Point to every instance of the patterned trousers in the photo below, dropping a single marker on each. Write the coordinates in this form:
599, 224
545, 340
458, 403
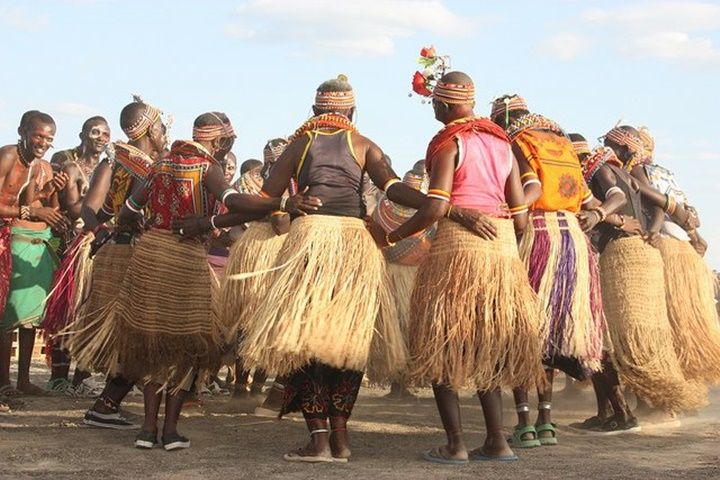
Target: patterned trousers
320, 391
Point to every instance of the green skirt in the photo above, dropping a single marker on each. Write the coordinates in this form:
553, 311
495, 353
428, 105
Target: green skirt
33, 265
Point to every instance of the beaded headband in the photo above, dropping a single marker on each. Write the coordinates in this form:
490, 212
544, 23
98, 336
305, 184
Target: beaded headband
335, 99
340, 100
272, 153
507, 105
209, 133
148, 118
625, 138
581, 147
454, 93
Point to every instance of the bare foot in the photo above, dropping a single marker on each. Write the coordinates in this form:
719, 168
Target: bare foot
494, 446
31, 390
316, 447
339, 444
449, 452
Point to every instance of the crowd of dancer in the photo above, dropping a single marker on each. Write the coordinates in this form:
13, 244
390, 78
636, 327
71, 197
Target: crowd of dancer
511, 251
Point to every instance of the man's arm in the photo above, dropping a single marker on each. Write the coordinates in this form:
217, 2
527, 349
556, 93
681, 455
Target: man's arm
615, 198
385, 178
95, 196
657, 215
529, 179
432, 209
71, 200
515, 198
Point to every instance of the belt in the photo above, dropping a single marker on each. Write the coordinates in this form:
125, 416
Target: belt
27, 239
15, 237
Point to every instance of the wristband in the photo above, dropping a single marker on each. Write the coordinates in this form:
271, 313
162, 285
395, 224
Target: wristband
212, 222
130, 206
387, 240
390, 183
25, 212
226, 193
283, 204
449, 211
600, 212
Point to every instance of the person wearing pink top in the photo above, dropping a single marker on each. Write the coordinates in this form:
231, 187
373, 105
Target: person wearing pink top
475, 320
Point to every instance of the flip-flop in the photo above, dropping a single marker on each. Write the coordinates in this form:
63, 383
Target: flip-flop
480, 456
296, 457
433, 455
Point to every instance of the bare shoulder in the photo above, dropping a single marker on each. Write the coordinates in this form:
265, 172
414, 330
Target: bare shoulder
361, 141
8, 155
71, 168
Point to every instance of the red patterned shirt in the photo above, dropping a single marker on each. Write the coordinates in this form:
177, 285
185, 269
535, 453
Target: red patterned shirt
176, 185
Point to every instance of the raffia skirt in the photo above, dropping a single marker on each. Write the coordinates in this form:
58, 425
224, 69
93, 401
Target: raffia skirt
402, 284
690, 295
564, 273
162, 324
638, 327
328, 300
475, 321
256, 250
80, 337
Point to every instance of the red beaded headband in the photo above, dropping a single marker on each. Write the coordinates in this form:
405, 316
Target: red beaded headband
454, 93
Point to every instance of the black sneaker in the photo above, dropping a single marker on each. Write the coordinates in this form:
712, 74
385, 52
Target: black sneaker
146, 440
175, 442
616, 425
114, 421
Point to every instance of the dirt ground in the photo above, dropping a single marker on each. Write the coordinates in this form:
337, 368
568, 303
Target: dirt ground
46, 439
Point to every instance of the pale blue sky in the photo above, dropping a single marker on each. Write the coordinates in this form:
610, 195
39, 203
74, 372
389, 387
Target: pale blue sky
585, 64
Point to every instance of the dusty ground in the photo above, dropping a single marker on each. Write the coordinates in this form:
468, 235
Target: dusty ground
47, 440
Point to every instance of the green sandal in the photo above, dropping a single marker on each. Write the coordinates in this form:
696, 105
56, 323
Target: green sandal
517, 440
547, 440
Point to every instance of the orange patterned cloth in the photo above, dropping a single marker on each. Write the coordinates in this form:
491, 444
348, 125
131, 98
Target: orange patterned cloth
131, 164
554, 163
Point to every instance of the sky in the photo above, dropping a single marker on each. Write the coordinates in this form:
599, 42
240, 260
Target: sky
585, 63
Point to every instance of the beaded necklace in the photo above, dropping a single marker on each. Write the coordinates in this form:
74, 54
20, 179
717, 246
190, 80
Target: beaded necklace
326, 120
533, 121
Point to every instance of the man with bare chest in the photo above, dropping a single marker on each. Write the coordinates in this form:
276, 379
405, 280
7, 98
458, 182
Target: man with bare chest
28, 209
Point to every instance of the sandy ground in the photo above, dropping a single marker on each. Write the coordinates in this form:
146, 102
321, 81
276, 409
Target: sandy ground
46, 439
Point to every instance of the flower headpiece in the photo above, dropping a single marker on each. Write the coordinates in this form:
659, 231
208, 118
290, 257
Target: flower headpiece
434, 67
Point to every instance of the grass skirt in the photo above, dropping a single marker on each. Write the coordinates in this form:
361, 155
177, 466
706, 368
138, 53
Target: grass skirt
638, 326
564, 273
81, 336
689, 291
475, 320
256, 250
328, 301
402, 283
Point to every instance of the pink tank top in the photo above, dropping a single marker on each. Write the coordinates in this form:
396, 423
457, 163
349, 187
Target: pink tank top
484, 165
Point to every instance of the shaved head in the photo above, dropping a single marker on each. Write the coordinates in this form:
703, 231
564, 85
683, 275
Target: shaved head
131, 114
459, 78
